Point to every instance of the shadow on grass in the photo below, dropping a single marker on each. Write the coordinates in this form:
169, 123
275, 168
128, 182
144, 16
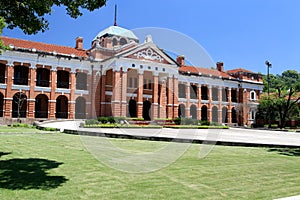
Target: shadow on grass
4, 153
286, 151
30, 173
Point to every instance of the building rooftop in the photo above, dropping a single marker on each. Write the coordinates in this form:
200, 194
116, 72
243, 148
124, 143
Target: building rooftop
232, 71
118, 31
39, 46
204, 71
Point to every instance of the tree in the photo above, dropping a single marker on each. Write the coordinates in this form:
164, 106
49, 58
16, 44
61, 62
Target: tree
2, 25
20, 99
283, 100
286, 102
29, 15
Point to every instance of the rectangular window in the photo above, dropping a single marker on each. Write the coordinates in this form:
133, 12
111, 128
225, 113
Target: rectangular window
145, 84
130, 83
149, 85
135, 82
252, 115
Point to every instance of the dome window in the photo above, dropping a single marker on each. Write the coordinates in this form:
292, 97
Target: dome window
123, 41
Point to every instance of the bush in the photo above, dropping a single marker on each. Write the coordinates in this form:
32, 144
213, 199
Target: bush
103, 120
111, 120
189, 121
119, 119
177, 121
91, 121
205, 123
21, 125
215, 124
49, 129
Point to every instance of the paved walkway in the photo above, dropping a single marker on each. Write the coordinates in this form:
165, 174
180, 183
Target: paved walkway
290, 198
238, 136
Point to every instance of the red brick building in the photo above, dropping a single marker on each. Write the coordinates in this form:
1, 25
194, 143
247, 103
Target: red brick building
118, 76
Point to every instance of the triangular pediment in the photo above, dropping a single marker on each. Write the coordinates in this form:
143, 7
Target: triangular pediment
148, 52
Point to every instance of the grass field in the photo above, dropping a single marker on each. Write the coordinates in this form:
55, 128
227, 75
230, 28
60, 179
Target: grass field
57, 166
10, 129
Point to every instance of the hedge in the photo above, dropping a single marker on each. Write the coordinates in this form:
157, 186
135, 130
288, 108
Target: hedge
120, 126
195, 127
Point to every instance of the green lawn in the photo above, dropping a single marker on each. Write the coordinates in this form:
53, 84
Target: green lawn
57, 166
10, 129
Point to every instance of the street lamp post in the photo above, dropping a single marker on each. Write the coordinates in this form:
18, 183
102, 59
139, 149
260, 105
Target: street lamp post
269, 65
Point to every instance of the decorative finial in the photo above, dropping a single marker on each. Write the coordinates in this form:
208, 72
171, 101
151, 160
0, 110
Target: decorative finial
115, 22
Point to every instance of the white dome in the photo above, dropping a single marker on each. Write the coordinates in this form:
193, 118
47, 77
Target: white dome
118, 31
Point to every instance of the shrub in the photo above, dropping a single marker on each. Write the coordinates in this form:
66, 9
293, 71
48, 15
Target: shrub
119, 119
103, 120
177, 121
111, 120
205, 123
215, 124
91, 121
49, 129
21, 125
189, 121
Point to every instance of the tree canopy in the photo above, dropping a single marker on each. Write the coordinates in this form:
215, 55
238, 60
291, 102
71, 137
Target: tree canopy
285, 80
29, 15
284, 95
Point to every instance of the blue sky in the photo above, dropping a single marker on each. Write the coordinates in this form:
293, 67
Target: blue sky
241, 33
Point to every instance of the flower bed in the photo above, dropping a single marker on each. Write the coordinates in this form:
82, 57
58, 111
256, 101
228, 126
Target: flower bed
195, 127
120, 126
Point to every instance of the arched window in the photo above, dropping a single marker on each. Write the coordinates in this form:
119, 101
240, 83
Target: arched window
252, 95
80, 108
41, 106
146, 110
193, 111
115, 42
204, 113
19, 106
215, 114
123, 41
181, 111
132, 108
61, 107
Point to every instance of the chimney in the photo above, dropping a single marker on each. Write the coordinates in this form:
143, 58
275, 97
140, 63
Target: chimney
220, 66
79, 43
180, 60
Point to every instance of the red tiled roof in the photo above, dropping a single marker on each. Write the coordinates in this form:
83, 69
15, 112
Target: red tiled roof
203, 71
233, 71
39, 46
